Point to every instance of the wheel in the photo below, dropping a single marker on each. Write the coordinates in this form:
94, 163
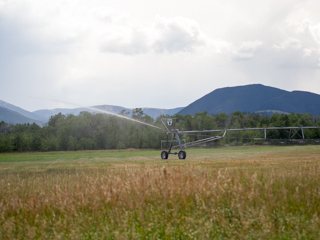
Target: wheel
164, 154
182, 154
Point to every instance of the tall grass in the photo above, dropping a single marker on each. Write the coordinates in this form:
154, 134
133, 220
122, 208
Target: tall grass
168, 202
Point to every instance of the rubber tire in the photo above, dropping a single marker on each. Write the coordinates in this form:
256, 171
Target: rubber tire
182, 154
164, 155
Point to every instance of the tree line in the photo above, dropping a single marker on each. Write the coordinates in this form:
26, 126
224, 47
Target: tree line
102, 131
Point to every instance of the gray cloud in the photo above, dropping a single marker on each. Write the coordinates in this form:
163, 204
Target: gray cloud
247, 50
301, 46
135, 43
167, 36
176, 35
297, 58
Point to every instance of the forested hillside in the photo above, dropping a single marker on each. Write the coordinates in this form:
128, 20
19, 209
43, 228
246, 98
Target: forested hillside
101, 131
255, 98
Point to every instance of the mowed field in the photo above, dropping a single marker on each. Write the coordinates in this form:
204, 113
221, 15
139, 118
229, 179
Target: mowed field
254, 192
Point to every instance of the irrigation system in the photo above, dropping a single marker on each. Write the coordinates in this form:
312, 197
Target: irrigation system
169, 124
220, 133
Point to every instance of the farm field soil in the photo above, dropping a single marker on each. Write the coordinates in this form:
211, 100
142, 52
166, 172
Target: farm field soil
255, 192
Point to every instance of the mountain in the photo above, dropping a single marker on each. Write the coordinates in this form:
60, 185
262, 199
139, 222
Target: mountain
21, 111
13, 117
47, 113
152, 112
156, 112
255, 98
250, 98
13, 114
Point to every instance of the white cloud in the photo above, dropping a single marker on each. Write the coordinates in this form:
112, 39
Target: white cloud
168, 35
40, 27
307, 52
247, 50
135, 42
292, 43
301, 45
106, 52
306, 28
177, 34
314, 31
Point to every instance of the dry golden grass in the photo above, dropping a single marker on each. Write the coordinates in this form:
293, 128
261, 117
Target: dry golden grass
272, 193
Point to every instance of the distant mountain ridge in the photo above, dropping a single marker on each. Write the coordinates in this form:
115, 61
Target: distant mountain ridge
13, 114
255, 98
10, 116
250, 98
23, 112
152, 112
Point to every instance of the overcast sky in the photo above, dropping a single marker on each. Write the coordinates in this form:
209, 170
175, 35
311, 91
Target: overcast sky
145, 53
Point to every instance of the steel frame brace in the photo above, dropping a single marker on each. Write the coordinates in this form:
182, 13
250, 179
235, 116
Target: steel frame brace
175, 135
255, 137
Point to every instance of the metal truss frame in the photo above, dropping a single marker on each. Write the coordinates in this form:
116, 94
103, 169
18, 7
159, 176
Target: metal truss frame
292, 131
221, 133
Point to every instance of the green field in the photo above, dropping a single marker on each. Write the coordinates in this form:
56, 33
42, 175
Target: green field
254, 192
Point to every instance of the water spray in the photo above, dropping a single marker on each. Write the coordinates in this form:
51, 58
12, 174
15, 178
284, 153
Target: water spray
99, 110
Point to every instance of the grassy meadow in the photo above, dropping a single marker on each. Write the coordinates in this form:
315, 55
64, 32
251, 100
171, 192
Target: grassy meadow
252, 192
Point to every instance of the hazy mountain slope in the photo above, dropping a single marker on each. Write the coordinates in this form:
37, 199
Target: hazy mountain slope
155, 112
152, 112
47, 113
25, 113
13, 117
254, 98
